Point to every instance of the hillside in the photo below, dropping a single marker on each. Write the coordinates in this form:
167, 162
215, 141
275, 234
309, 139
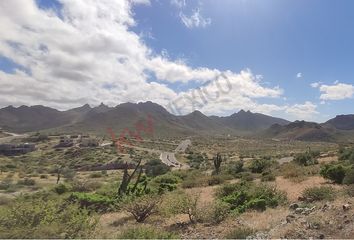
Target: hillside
126, 115
248, 122
341, 122
301, 130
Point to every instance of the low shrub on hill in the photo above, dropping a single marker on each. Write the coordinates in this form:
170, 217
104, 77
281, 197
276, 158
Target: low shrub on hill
166, 183
93, 201
259, 165
235, 168
346, 154
195, 160
40, 217
155, 168
248, 195
307, 159
319, 194
335, 173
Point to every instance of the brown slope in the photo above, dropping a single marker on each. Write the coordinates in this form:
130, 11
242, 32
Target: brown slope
301, 130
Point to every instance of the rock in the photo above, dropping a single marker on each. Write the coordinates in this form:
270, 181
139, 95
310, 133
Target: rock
290, 218
293, 206
346, 207
301, 198
305, 211
321, 236
299, 210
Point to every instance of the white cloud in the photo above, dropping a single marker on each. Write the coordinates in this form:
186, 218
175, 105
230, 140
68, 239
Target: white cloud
299, 75
195, 20
306, 111
90, 55
315, 84
338, 91
178, 3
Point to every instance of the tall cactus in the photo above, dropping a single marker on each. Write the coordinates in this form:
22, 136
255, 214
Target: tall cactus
123, 188
217, 162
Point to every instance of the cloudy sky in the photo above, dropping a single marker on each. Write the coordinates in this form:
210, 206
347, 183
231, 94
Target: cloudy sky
292, 59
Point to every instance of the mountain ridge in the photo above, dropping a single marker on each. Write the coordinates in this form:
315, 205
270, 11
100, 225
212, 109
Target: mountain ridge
126, 115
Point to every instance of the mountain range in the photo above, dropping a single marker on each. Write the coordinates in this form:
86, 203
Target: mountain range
87, 119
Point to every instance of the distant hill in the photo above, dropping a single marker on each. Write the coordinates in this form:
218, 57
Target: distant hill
341, 122
300, 130
34, 118
87, 119
248, 122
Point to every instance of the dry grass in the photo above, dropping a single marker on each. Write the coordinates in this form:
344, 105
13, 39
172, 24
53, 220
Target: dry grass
295, 189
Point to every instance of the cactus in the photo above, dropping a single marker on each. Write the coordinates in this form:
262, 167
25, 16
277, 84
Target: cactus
217, 162
124, 188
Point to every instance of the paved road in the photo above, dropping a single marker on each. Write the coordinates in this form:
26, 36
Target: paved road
183, 146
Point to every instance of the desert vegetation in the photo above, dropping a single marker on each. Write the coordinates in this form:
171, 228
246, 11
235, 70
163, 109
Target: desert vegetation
76, 194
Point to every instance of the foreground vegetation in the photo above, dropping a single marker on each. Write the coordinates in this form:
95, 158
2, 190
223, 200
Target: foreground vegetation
47, 194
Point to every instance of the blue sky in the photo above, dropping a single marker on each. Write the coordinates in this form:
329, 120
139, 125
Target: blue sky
304, 48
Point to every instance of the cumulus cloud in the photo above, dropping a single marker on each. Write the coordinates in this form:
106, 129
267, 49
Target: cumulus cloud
305, 111
299, 75
337, 91
86, 52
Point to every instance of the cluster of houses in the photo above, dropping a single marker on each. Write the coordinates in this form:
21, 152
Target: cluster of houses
79, 140
16, 149
11, 149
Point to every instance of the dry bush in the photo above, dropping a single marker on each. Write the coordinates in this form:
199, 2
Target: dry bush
292, 171
180, 202
142, 207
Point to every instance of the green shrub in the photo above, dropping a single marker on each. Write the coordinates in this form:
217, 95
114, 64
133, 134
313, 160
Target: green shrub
259, 165
346, 154
349, 177
180, 202
5, 184
195, 179
26, 182
61, 188
246, 176
239, 233
319, 194
235, 167
166, 182
248, 195
215, 180
44, 218
68, 173
195, 160
146, 232
93, 201
307, 159
335, 173
43, 176
213, 213
155, 168
267, 176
